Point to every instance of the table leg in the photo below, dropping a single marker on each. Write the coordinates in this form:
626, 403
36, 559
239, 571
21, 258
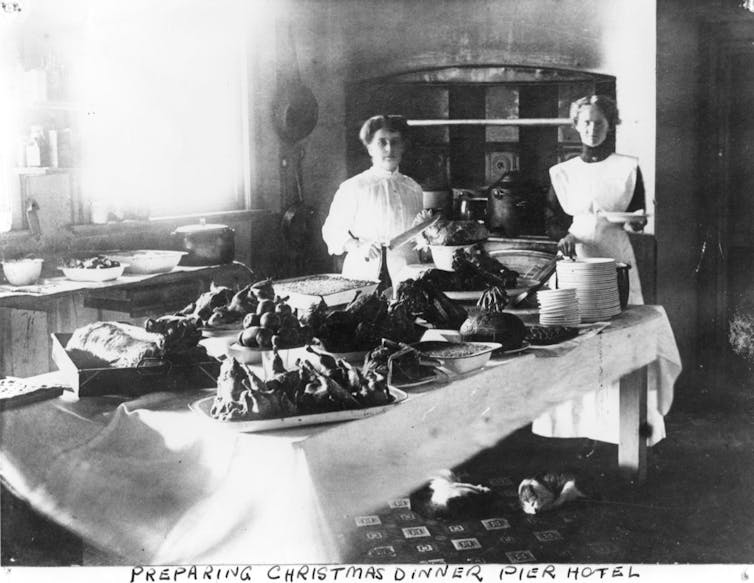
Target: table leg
632, 447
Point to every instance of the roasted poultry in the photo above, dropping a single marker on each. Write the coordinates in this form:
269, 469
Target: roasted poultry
307, 389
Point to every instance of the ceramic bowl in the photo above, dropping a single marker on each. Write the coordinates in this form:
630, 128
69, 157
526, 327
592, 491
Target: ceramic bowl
459, 357
146, 261
22, 271
442, 255
94, 275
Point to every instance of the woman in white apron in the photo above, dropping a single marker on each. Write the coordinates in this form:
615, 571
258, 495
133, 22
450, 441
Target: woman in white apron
374, 206
597, 180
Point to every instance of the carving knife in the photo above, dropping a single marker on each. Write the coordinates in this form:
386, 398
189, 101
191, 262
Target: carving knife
406, 236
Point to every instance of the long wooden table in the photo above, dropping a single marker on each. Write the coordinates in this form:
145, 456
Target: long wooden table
149, 481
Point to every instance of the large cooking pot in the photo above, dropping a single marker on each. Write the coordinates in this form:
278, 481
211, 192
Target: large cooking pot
206, 244
469, 204
508, 202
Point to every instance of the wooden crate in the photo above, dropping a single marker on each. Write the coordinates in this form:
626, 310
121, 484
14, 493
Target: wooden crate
88, 379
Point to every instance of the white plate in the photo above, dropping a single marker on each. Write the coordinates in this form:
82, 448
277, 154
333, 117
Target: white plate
525, 345
424, 381
616, 217
203, 407
222, 330
523, 284
98, 275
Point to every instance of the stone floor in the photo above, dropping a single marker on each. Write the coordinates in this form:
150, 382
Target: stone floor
695, 507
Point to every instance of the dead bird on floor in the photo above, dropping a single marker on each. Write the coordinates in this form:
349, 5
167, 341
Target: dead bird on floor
548, 491
447, 497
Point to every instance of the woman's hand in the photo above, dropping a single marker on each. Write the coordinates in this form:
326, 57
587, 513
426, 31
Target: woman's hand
371, 251
567, 245
366, 249
637, 225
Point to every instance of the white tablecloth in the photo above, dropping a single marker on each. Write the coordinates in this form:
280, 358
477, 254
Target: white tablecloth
150, 481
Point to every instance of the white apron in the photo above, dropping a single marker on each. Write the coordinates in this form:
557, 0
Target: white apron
583, 189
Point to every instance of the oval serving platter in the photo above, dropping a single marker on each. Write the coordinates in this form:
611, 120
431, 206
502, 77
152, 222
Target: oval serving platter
523, 284
203, 406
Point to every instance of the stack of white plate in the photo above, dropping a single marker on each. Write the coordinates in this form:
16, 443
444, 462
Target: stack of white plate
596, 282
558, 307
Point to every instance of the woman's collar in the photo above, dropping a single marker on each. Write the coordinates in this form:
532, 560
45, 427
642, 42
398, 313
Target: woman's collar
596, 154
382, 173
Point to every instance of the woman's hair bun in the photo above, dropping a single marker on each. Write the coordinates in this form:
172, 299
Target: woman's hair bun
605, 104
393, 123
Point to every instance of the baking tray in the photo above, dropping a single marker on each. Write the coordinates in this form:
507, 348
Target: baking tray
88, 377
285, 287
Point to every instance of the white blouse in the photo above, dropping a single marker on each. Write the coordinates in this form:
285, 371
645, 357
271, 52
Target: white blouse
374, 206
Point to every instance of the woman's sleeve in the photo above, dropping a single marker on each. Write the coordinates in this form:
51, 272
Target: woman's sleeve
638, 201
339, 221
557, 221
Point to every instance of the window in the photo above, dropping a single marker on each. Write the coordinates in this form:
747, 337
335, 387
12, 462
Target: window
146, 99
164, 125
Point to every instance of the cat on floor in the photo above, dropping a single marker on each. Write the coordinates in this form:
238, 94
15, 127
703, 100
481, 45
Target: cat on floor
446, 496
548, 491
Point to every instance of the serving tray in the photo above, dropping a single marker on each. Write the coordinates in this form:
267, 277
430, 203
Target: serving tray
523, 284
203, 407
334, 288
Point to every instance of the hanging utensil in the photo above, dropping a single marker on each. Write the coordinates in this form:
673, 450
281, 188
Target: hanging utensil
297, 224
295, 110
294, 114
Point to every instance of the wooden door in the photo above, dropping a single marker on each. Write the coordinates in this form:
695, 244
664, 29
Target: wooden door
725, 273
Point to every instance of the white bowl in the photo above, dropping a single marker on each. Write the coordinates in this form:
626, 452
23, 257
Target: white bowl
246, 355
442, 255
217, 346
146, 261
22, 271
97, 275
481, 353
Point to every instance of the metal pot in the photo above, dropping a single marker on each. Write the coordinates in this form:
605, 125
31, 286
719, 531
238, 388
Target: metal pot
623, 283
469, 205
507, 205
206, 244
438, 200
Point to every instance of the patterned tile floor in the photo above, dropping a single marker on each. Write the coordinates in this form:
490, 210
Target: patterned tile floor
504, 534
695, 506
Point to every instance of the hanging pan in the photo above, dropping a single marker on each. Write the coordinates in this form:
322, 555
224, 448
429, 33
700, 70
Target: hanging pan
295, 110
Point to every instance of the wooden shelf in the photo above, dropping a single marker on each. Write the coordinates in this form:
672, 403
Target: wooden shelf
42, 170
536, 122
55, 105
